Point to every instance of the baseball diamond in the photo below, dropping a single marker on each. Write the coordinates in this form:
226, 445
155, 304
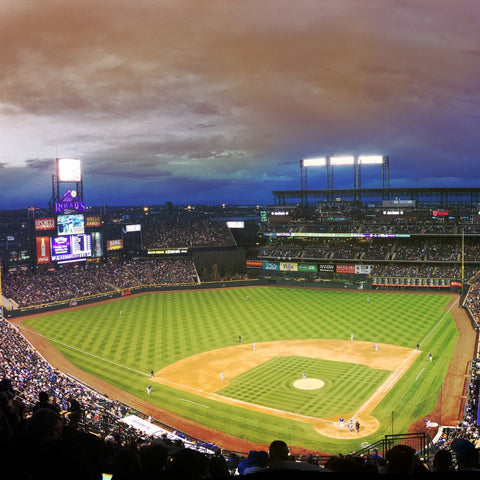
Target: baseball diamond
187, 389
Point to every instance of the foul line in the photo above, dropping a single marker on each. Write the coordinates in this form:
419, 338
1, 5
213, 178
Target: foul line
397, 374
441, 319
86, 353
388, 383
195, 403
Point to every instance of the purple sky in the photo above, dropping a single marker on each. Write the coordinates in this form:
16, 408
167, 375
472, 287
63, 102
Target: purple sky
216, 101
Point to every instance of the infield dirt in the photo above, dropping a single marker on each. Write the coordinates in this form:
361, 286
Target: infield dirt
200, 374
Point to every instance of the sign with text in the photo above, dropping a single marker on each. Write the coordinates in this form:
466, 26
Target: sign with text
44, 224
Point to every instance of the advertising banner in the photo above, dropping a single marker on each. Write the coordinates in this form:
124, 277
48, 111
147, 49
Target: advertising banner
93, 221
326, 268
43, 249
168, 251
363, 269
97, 244
254, 264
345, 268
271, 266
288, 266
307, 267
44, 224
115, 244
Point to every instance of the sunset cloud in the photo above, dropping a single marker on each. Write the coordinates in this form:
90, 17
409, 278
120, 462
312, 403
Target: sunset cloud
208, 102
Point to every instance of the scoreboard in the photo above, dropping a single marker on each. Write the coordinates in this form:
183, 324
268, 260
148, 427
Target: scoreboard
70, 247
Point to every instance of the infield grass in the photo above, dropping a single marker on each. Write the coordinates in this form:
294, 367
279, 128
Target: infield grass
158, 329
271, 385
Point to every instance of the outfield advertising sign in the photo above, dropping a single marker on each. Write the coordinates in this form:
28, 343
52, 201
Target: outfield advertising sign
363, 269
357, 269
254, 264
326, 268
345, 268
271, 266
288, 267
307, 267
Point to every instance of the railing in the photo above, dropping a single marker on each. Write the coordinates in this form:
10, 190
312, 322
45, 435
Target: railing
420, 442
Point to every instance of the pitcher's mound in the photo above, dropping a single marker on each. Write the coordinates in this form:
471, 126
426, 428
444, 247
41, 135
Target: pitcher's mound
308, 383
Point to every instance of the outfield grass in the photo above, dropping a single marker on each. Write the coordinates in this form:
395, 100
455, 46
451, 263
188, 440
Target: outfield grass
157, 329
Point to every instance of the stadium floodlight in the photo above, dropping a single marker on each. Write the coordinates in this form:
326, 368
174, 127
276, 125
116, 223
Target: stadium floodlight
370, 159
68, 170
342, 160
314, 162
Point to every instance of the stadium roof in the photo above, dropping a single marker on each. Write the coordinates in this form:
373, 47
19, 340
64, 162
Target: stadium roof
439, 197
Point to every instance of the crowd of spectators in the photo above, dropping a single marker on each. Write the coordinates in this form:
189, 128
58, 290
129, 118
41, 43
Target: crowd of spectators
90, 279
341, 222
472, 299
398, 249
194, 232
417, 271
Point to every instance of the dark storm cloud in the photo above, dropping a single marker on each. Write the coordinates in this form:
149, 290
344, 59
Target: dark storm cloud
40, 164
156, 95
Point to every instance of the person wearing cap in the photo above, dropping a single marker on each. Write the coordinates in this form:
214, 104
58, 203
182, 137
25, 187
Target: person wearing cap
247, 462
260, 462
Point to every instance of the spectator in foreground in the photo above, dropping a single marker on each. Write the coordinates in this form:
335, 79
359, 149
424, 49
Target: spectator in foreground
443, 461
402, 460
350, 464
259, 464
280, 459
467, 455
188, 464
44, 402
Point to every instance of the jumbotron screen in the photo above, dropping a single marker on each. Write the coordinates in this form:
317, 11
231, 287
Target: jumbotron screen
70, 224
70, 248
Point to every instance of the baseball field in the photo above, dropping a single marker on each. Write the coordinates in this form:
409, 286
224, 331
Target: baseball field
265, 363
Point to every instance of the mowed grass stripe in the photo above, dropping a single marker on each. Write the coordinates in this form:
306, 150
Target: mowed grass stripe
156, 330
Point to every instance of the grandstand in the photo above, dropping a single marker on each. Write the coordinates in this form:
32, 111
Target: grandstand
339, 244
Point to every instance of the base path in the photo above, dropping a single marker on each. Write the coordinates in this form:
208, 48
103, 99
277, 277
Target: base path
208, 372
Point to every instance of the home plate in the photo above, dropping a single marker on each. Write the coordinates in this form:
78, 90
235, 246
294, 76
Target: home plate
308, 383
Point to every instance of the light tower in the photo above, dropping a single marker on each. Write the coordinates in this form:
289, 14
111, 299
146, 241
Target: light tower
68, 170
331, 161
